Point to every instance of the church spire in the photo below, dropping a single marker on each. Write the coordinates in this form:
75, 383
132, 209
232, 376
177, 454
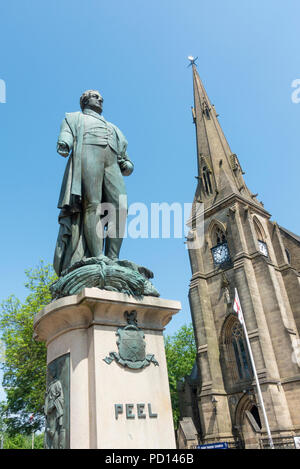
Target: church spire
219, 172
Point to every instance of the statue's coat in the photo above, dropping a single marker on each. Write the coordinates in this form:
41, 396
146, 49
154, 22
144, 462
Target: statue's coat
71, 246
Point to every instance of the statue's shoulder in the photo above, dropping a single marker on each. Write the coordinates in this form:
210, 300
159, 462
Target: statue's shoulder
73, 120
73, 116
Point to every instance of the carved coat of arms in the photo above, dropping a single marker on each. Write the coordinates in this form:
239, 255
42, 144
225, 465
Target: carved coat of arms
131, 346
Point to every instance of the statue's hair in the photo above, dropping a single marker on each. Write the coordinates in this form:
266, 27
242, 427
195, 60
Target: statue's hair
85, 96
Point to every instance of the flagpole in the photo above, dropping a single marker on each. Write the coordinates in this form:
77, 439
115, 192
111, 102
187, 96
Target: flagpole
32, 435
260, 397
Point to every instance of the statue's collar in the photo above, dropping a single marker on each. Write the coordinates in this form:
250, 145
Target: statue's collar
92, 113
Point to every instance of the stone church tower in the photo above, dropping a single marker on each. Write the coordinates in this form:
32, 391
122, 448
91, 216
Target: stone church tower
241, 248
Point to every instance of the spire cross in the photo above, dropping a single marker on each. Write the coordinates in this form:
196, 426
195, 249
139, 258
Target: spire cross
192, 60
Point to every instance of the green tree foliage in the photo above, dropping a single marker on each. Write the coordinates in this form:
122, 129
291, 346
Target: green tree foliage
21, 441
180, 354
24, 367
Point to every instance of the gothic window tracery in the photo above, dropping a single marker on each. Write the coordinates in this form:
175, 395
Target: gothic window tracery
240, 347
237, 358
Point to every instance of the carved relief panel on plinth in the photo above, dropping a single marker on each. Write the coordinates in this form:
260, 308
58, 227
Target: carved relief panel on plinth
57, 404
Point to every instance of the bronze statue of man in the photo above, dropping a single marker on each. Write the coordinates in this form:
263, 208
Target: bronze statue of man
93, 176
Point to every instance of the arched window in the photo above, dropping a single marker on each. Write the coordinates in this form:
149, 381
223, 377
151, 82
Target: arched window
236, 356
240, 351
206, 180
205, 109
261, 238
288, 255
220, 236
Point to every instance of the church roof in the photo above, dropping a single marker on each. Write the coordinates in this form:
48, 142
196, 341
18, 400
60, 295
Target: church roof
292, 235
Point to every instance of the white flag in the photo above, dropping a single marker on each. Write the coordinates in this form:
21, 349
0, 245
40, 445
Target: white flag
237, 307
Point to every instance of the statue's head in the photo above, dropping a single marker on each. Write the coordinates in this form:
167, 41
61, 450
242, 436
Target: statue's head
91, 99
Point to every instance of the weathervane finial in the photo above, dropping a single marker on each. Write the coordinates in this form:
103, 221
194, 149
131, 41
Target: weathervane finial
192, 60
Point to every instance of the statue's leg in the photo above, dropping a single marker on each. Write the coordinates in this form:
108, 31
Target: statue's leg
114, 192
92, 180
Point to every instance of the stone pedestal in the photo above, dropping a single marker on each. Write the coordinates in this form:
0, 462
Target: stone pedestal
111, 406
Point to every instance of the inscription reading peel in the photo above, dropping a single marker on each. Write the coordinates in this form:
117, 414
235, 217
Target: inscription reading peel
130, 411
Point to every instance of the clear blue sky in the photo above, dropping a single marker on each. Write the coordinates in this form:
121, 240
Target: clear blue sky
135, 52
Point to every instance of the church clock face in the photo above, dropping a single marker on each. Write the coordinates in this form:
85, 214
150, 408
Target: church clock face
221, 254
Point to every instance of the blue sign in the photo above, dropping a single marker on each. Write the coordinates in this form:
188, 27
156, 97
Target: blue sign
214, 446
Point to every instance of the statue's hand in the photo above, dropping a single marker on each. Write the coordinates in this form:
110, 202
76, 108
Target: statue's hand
126, 167
62, 149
